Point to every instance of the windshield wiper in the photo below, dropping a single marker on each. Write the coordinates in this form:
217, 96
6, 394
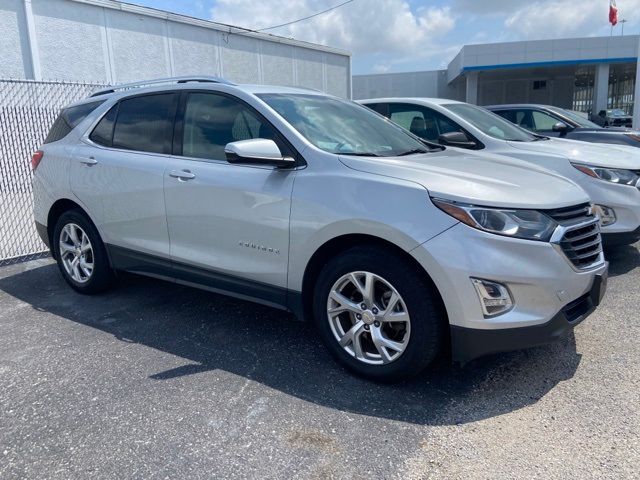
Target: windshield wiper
360, 154
414, 151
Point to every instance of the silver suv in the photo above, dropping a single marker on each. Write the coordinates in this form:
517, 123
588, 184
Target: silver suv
395, 248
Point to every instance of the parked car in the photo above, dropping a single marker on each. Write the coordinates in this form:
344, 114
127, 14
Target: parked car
614, 117
610, 174
315, 204
559, 122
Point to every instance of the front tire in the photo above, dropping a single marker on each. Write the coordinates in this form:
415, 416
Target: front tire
377, 314
80, 253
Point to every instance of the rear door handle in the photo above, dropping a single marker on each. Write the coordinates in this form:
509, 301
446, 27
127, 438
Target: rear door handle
182, 174
88, 161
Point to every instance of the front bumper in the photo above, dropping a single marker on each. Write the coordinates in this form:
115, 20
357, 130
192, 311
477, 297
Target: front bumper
541, 280
616, 239
469, 343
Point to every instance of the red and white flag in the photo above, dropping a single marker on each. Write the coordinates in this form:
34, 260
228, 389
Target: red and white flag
613, 13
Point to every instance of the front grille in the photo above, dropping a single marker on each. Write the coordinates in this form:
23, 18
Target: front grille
582, 245
570, 214
581, 242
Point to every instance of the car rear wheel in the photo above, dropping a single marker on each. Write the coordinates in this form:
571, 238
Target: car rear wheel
377, 314
80, 253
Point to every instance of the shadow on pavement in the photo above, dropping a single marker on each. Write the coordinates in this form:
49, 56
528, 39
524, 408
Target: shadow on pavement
265, 345
622, 259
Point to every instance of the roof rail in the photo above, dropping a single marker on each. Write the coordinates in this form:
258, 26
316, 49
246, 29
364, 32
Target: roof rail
158, 81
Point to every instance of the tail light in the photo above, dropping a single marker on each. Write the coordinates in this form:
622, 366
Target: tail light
36, 158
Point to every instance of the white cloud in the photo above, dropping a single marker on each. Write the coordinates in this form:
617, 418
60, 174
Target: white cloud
391, 28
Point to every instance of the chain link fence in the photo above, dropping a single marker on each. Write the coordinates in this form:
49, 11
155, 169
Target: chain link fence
27, 111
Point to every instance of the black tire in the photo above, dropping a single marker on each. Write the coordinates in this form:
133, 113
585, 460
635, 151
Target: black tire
422, 301
102, 277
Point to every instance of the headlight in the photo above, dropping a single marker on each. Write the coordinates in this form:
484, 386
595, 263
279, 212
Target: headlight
615, 175
528, 224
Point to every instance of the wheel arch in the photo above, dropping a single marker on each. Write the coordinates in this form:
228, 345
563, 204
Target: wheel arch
342, 243
59, 207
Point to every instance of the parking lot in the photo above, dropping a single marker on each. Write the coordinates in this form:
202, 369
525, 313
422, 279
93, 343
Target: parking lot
155, 380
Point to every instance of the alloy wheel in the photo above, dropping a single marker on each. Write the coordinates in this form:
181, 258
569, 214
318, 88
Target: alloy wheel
368, 318
76, 253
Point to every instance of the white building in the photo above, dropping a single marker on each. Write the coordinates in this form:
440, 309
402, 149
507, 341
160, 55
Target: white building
107, 41
586, 74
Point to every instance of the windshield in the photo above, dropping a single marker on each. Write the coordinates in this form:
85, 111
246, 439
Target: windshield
489, 123
343, 127
575, 117
616, 113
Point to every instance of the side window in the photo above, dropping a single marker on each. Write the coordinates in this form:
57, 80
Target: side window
103, 132
422, 121
68, 119
145, 123
211, 121
381, 108
507, 115
543, 121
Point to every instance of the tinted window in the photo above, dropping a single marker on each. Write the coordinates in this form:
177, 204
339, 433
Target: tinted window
342, 127
211, 121
422, 121
68, 119
489, 123
145, 123
103, 133
543, 121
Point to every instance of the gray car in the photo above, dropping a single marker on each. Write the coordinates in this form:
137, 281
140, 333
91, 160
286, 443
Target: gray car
317, 205
558, 122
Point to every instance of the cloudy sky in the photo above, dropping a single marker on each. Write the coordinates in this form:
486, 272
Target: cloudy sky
405, 35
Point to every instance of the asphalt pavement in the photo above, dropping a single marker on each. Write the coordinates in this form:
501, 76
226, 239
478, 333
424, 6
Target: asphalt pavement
155, 380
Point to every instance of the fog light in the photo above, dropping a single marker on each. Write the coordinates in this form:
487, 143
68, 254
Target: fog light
495, 298
606, 214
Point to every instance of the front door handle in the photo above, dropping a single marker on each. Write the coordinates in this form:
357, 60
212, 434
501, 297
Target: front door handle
182, 174
88, 161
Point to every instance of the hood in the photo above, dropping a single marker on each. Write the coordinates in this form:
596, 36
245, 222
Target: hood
599, 154
477, 178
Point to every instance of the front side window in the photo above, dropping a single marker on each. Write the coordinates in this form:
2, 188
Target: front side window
342, 127
543, 121
211, 121
575, 117
422, 121
145, 123
489, 123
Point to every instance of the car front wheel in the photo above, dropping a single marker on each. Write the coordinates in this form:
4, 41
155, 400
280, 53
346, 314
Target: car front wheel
377, 314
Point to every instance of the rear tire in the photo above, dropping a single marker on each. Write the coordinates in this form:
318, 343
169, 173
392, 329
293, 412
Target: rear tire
387, 323
81, 254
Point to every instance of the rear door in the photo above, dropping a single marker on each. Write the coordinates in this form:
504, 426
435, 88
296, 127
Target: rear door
117, 173
228, 223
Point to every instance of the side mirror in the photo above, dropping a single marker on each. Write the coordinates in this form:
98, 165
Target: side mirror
560, 127
456, 139
257, 151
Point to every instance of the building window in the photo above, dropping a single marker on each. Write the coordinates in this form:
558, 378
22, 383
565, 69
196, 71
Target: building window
583, 90
539, 84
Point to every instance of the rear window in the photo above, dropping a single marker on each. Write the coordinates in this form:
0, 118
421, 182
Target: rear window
145, 123
68, 119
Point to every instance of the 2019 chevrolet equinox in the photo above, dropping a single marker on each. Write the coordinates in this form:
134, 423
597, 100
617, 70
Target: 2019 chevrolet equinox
311, 203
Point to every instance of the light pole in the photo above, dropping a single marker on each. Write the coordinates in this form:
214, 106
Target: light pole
623, 21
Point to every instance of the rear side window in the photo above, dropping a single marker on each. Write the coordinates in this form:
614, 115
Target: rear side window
145, 123
68, 119
103, 133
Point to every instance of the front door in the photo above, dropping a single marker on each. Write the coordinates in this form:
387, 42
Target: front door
228, 224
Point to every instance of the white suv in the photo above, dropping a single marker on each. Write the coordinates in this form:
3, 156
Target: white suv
317, 205
610, 174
